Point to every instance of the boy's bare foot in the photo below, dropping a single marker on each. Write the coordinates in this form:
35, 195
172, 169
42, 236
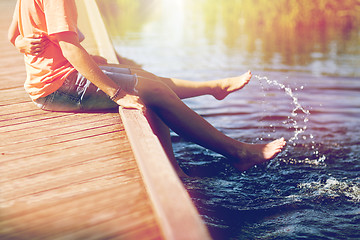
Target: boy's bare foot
228, 85
253, 154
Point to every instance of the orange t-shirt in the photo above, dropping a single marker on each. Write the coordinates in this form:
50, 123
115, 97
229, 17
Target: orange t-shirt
47, 71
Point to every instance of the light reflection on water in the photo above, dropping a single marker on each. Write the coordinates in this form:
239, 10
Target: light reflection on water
200, 34
315, 182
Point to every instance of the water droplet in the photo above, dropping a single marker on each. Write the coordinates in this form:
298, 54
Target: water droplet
297, 111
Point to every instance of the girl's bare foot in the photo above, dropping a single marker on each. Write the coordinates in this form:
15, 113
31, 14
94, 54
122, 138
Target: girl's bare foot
228, 85
253, 154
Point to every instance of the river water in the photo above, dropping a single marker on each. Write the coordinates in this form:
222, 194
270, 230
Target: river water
306, 91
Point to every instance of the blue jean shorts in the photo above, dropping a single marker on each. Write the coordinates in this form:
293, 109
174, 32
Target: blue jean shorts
77, 94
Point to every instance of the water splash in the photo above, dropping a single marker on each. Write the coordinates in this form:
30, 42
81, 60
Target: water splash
332, 188
298, 108
297, 119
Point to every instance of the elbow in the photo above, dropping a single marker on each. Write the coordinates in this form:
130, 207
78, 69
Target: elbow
13, 33
68, 50
70, 53
11, 38
67, 54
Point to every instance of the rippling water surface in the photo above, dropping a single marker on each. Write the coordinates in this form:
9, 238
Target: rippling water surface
312, 189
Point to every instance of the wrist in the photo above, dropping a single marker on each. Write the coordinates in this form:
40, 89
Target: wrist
20, 44
116, 95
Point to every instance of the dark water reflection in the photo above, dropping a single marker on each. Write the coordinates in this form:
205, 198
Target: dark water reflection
310, 191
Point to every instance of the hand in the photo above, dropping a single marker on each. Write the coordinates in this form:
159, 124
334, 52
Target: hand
33, 44
130, 101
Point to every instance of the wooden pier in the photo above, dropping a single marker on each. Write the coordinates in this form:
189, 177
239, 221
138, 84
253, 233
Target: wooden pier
77, 175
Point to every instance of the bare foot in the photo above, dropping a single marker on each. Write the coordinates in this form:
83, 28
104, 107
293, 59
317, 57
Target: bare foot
253, 154
228, 85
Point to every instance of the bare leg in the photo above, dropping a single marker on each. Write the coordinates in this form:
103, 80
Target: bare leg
219, 88
163, 133
190, 125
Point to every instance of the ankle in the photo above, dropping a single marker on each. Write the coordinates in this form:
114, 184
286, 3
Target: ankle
235, 150
217, 90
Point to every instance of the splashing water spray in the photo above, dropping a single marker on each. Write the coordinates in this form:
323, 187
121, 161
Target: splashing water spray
294, 113
291, 119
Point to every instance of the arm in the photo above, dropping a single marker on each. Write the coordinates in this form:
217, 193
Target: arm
98, 59
85, 64
32, 44
13, 31
35, 44
82, 61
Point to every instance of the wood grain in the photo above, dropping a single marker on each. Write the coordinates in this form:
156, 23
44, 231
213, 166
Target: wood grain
64, 175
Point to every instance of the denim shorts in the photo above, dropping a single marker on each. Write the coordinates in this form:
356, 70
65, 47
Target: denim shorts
77, 94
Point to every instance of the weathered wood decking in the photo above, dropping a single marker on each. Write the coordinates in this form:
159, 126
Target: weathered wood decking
74, 176
64, 175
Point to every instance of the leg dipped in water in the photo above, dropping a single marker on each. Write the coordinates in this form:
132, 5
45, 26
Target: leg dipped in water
187, 123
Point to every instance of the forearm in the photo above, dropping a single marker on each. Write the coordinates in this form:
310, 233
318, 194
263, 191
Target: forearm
13, 31
85, 65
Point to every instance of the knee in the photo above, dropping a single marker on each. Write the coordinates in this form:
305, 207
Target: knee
156, 93
144, 74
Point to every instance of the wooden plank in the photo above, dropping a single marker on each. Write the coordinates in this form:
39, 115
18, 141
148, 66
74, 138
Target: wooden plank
80, 214
59, 177
14, 108
15, 138
104, 46
45, 121
20, 168
177, 216
53, 124
64, 175
84, 197
51, 149
64, 132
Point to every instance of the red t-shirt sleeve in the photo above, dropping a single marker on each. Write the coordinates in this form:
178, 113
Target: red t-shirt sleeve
60, 15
